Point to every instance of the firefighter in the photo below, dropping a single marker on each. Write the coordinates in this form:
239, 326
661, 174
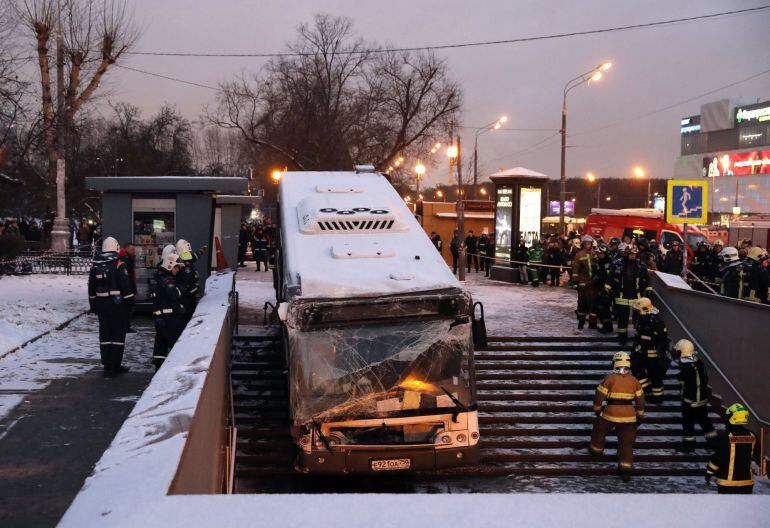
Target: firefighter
187, 280
649, 359
614, 248
732, 276
522, 258
623, 400
482, 248
110, 295
695, 393
701, 266
757, 277
259, 246
715, 262
673, 262
733, 452
583, 274
535, 259
603, 297
167, 307
244, 235
628, 281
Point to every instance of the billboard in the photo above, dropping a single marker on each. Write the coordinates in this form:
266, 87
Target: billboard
529, 214
686, 202
752, 114
659, 204
503, 219
688, 125
553, 208
737, 164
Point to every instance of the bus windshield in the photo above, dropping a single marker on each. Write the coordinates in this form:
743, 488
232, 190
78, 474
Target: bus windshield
379, 370
693, 239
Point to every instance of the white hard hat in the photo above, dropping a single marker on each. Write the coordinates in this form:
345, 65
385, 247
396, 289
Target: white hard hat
167, 250
110, 244
170, 261
729, 254
184, 249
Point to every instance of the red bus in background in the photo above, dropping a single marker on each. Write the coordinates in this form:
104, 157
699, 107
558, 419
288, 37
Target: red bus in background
635, 223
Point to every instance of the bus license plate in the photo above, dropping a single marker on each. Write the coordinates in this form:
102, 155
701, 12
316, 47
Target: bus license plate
391, 464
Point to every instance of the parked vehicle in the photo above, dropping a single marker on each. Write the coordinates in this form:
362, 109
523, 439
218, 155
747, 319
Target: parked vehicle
634, 223
377, 331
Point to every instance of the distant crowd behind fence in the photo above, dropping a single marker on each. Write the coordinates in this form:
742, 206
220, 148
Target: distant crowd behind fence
32, 261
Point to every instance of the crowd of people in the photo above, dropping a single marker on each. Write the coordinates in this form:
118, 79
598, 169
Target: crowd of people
83, 231
174, 291
260, 238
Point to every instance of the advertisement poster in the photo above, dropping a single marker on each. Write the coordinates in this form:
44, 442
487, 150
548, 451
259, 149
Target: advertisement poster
660, 204
686, 202
503, 218
737, 164
569, 208
529, 215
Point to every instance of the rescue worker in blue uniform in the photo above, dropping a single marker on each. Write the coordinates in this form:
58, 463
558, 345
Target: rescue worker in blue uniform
167, 307
733, 453
110, 296
757, 276
187, 280
694, 395
649, 359
628, 281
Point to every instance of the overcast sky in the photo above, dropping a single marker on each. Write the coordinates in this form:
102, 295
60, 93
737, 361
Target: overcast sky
653, 68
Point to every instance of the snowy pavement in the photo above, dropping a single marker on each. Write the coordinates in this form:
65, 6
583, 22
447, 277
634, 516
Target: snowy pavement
255, 288
33, 304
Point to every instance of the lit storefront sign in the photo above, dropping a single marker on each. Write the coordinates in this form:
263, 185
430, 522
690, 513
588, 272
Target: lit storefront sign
659, 203
529, 214
689, 125
737, 164
503, 219
553, 208
752, 114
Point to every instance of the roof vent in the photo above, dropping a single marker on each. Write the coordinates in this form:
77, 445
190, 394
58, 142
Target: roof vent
352, 250
358, 217
363, 169
338, 189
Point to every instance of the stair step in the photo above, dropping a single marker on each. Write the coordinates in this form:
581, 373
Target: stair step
580, 443
547, 457
566, 419
550, 397
554, 339
524, 383
571, 347
568, 408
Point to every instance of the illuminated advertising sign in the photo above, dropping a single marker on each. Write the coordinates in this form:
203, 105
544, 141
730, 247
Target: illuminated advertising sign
688, 125
503, 219
752, 114
529, 214
659, 204
737, 164
553, 208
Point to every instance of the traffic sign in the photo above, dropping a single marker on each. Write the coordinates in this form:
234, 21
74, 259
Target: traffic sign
687, 202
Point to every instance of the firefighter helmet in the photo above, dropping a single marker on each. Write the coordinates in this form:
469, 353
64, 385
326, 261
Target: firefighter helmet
756, 253
587, 238
719, 243
167, 250
615, 240
110, 244
170, 261
737, 414
602, 247
621, 360
184, 249
644, 306
685, 348
630, 249
729, 254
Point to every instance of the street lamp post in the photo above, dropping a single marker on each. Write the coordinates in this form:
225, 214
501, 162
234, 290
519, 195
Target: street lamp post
592, 75
419, 170
591, 178
494, 125
640, 173
453, 152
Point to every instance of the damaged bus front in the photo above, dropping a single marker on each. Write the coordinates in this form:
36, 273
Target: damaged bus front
382, 384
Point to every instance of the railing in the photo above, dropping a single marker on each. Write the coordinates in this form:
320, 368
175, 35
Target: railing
74, 262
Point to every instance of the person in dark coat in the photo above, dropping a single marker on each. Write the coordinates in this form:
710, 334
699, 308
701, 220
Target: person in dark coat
259, 246
167, 307
471, 246
454, 248
673, 262
521, 258
483, 248
244, 236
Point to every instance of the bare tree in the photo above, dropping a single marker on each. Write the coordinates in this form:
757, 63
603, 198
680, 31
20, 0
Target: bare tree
220, 152
96, 33
338, 101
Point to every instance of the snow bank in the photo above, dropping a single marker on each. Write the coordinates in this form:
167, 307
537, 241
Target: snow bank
33, 304
138, 467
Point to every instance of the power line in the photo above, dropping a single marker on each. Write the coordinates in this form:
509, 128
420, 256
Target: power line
460, 45
152, 74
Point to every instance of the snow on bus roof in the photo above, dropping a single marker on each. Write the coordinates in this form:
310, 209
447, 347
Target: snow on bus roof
646, 213
351, 235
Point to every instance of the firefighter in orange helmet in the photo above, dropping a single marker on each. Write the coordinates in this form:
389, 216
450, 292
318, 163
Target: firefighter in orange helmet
623, 399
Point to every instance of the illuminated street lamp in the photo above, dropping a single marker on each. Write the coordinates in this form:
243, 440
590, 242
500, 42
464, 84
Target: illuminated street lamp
419, 170
440, 194
593, 75
640, 173
494, 125
592, 178
276, 176
609, 198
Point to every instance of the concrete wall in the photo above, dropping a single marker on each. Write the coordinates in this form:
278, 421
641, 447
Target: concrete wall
117, 223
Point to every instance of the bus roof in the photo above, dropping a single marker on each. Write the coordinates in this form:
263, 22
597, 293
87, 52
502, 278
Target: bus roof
348, 234
644, 213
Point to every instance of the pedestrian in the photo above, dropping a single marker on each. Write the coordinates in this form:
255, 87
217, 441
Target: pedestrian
628, 281
583, 272
167, 307
649, 359
553, 260
244, 235
733, 454
109, 292
694, 395
535, 259
259, 248
623, 400
521, 258
483, 249
472, 254
187, 279
435, 238
454, 249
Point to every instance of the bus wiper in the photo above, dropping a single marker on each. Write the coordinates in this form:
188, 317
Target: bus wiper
324, 441
459, 406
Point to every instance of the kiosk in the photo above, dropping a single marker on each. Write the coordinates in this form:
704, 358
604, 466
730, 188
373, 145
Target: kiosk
518, 214
153, 211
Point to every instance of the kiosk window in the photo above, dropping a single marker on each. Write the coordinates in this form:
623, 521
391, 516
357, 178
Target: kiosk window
153, 228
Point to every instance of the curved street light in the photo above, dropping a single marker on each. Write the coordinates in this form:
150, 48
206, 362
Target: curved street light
494, 125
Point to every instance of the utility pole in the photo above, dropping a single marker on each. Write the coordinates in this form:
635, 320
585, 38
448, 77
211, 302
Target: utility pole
461, 213
563, 179
60, 233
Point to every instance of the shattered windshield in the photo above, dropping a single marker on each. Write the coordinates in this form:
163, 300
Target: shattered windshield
379, 370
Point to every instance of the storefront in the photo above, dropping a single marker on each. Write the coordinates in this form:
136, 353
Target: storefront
153, 211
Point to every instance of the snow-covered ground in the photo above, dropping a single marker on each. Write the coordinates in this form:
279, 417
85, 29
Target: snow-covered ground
519, 310
255, 288
33, 304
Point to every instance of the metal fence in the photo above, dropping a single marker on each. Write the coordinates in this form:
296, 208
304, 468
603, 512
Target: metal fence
30, 262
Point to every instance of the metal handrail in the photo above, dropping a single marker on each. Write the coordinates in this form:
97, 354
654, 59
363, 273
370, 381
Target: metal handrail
692, 338
709, 288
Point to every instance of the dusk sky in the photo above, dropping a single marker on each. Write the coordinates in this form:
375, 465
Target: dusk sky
653, 68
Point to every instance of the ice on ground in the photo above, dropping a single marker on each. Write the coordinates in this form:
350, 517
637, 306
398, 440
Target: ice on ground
519, 310
33, 304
